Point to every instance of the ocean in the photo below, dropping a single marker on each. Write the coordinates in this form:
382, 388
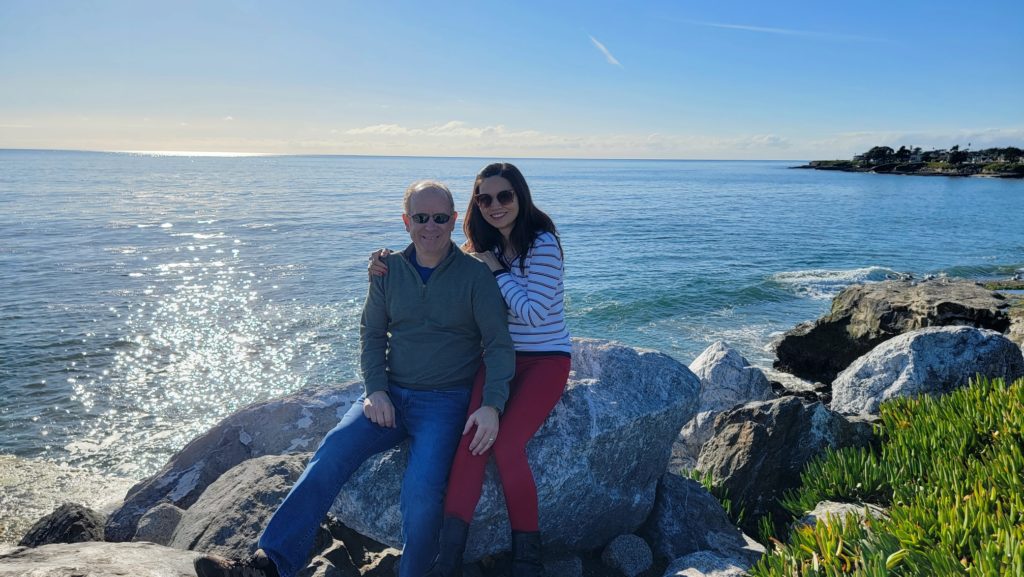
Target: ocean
144, 297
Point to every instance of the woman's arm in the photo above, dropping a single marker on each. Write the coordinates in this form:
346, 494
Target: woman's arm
377, 266
533, 303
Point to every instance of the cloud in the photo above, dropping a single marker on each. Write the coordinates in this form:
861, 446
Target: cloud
607, 54
381, 129
458, 138
229, 118
452, 128
785, 31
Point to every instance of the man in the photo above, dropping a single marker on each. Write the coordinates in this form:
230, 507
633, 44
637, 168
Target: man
424, 327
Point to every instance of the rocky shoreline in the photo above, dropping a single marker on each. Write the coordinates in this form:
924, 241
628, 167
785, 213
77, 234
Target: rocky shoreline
909, 168
607, 462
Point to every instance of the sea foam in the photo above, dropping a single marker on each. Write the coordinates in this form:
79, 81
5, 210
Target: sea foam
822, 284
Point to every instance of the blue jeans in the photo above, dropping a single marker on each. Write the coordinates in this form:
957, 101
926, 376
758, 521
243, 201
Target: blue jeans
433, 419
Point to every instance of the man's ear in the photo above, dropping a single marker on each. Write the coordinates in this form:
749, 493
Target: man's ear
405, 219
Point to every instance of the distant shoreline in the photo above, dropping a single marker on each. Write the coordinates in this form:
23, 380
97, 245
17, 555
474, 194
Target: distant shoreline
914, 169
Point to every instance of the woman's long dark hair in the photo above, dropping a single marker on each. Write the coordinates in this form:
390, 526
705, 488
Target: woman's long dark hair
530, 222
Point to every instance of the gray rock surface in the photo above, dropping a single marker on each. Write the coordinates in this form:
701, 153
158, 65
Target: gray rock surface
158, 524
759, 449
294, 423
838, 511
230, 515
928, 361
726, 380
69, 523
97, 559
596, 460
706, 564
864, 316
628, 554
687, 518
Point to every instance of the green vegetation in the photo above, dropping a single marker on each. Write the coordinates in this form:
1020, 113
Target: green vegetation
951, 471
1003, 168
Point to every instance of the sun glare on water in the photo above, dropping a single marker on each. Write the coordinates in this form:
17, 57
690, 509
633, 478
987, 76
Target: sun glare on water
192, 153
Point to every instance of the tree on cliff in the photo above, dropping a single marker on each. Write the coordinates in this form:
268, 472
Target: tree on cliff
957, 156
879, 154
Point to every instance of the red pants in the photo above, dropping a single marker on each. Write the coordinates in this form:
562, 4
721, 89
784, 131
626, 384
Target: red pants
537, 386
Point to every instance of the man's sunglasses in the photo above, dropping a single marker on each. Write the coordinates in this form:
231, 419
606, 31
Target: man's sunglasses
505, 198
422, 217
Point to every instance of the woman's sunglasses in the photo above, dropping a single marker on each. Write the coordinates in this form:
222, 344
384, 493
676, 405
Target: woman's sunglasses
505, 198
422, 217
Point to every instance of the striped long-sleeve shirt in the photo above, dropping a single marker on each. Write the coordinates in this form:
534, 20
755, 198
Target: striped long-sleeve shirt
536, 313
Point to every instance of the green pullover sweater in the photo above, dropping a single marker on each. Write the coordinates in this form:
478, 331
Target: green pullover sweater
430, 335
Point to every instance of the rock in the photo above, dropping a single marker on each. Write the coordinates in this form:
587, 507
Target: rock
563, 566
928, 361
759, 450
1016, 313
69, 523
726, 380
706, 564
863, 316
158, 524
596, 460
33, 488
628, 554
289, 424
332, 562
687, 518
97, 559
230, 515
787, 385
838, 511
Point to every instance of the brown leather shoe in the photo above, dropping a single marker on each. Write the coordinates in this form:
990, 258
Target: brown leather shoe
258, 565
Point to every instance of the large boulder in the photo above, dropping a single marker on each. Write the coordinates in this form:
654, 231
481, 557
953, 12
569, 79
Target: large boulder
759, 450
596, 460
69, 523
97, 559
232, 512
934, 361
687, 518
863, 316
726, 380
294, 423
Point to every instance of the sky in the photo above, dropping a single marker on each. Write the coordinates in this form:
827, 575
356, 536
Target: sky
732, 79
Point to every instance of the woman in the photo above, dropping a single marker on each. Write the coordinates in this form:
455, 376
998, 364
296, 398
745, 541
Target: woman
519, 243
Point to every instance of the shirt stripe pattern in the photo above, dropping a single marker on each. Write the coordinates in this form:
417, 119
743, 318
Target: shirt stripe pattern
536, 313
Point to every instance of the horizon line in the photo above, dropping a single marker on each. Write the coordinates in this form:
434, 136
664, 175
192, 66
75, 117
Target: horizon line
234, 154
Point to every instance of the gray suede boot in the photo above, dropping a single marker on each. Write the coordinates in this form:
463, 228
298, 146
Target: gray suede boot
526, 559
452, 546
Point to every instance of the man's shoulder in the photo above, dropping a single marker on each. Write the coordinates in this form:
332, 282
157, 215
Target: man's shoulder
471, 266
396, 256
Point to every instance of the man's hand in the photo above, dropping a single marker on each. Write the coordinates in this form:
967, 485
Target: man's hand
378, 408
485, 419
